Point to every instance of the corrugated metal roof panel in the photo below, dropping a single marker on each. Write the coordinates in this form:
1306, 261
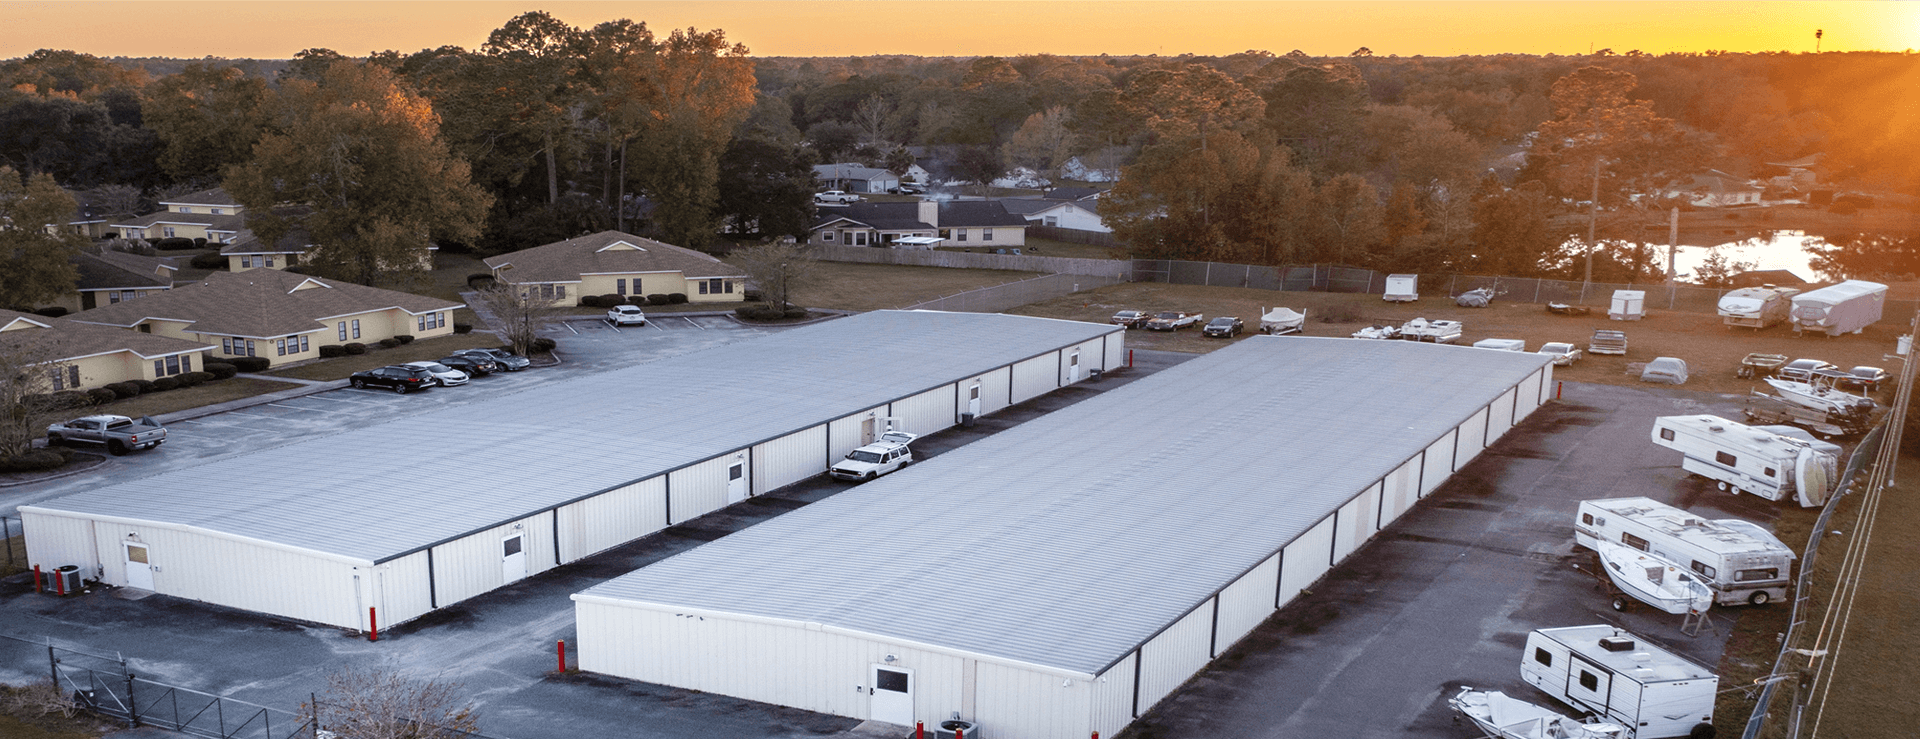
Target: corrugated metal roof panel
1072, 538
381, 491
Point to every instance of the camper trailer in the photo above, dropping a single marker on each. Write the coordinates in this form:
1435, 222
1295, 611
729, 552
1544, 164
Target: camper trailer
1742, 562
1402, 288
1747, 460
1847, 307
1628, 305
1620, 676
1757, 307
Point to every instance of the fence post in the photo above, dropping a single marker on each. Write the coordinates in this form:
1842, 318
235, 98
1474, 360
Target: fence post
6, 536
133, 707
53, 667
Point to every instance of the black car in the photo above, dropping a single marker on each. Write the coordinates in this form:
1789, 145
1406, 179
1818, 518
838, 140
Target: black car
474, 365
398, 378
505, 359
1801, 370
1225, 326
1865, 378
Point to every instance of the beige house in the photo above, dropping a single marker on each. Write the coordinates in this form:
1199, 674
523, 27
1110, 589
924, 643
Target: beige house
970, 223
247, 251
92, 356
209, 214
616, 263
108, 277
282, 316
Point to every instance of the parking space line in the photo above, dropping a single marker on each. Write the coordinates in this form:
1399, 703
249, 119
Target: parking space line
315, 410
696, 324
569, 325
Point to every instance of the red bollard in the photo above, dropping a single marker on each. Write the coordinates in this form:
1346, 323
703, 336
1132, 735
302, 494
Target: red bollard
959, 734
1557, 387
1129, 359
36, 580
563, 655
919, 730
1096, 735
59, 583
373, 626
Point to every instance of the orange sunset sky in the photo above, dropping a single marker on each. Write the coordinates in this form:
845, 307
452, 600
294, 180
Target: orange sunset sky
264, 29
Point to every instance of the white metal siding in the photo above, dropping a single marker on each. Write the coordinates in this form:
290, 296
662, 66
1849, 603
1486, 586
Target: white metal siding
1116, 348
1170, 658
234, 573
1247, 602
58, 541
1402, 491
700, 489
1012, 702
403, 594
1547, 388
1306, 559
1035, 377
1472, 435
927, 412
1113, 698
1091, 358
1439, 463
1502, 414
1533, 391
612, 518
1356, 523
847, 434
471, 565
993, 391
788, 459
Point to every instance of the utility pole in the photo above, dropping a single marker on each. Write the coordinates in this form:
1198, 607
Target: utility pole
1593, 217
1673, 243
1817, 33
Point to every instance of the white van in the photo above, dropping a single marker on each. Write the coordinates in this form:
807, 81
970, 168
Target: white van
1747, 460
1741, 561
1619, 676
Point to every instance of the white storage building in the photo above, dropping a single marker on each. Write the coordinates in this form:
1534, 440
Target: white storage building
391, 521
1063, 576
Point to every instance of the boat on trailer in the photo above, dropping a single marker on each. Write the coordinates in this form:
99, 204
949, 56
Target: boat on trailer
1506, 717
1820, 394
1654, 581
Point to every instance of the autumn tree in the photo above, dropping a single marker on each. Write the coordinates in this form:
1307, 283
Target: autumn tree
35, 265
1043, 143
29, 359
1512, 229
1318, 111
706, 88
765, 188
207, 118
517, 313
533, 69
776, 270
358, 164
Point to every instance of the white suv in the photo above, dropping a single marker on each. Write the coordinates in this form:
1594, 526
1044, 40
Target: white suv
887, 454
624, 315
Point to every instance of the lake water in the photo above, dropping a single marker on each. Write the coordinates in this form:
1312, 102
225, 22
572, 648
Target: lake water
1771, 250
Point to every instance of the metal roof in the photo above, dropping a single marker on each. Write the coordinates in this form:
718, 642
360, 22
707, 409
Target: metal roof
1071, 539
383, 491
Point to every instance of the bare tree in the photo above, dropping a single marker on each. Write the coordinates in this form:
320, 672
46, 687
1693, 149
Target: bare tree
873, 116
518, 312
776, 270
381, 703
29, 361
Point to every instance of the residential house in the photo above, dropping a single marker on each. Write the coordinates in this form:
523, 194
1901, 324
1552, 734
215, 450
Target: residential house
1801, 175
855, 177
1717, 189
108, 277
1079, 170
247, 251
917, 174
89, 219
1079, 215
985, 223
209, 214
617, 263
282, 316
90, 356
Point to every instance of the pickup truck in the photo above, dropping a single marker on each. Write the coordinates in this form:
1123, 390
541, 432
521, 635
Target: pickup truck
1174, 320
835, 197
120, 434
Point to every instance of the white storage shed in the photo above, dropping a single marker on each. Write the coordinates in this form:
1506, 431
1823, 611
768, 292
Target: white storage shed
392, 521
1061, 577
1628, 305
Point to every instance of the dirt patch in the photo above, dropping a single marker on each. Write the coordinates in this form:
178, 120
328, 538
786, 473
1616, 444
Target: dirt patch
864, 287
1711, 349
179, 399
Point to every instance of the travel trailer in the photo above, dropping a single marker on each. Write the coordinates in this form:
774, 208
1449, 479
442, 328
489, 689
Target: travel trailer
1757, 307
1847, 307
1621, 677
1402, 288
1747, 460
1628, 305
1742, 562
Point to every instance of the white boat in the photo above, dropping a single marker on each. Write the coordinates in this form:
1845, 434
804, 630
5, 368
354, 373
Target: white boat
1819, 395
1654, 581
1512, 718
1377, 332
1282, 321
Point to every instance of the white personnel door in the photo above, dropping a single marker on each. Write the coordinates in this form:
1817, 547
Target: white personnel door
737, 481
1588, 683
139, 570
513, 557
866, 432
973, 400
892, 690
1073, 367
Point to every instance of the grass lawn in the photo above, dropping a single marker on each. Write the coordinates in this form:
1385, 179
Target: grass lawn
179, 399
338, 368
1039, 247
862, 287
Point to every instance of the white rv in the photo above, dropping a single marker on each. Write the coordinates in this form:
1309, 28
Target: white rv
1402, 288
1747, 460
1850, 306
1758, 307
1619, 676
1742, 562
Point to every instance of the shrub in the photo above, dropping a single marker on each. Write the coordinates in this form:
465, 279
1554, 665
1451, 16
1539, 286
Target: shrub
102, 395
544, 344
463, 328
123, 389
53, 311
72, 399
200, 243
35, 460
657, 299
795, 313
637, 299
480, 281
164, 384
404, 338
587, 301
752, 296
356, 348
676, 297
329, 351
610, 300
221, 370
761, 313
172, 244
191, 379
389, 343
251, 364
211, 260
146, 386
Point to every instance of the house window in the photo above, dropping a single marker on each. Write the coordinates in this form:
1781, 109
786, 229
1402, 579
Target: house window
215, 211
267, 261
186, 209
728, 284
986, 234
172, 365
303, 344
226, 345
343, 330
1053, 220
67, 378
620, 286
356, 334
166, 231
280, 345
419, 323
826, 235
859, 238
246, 262
249, 347
959, 234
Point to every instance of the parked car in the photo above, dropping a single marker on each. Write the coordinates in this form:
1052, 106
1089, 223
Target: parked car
1224, 326
1801, 370
443, 375
890, 452
835, 197
1174, 320
1865, 378
626, 315
1563, 353
1132, 318
396, 377
119, 434
473, 365
911, 188
508, 361
1668, 370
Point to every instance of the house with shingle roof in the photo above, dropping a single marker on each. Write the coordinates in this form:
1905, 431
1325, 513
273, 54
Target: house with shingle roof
91, 356
248, 251
1715, 189
618, 263
282, 316
959, 222
855, 177
209, 214
1080, 215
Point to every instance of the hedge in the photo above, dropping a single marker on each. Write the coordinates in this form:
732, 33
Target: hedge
35, 460
210, 260
102, 395
404, 338
463, 328
388, 343
657, 299
759, 313
172, 244
543, 344
637, 299
72, 399
795, 313
356, 348
480, 281
191, 379
676, 297
122, 390
166, 383
146, 386
250, 364
221, 370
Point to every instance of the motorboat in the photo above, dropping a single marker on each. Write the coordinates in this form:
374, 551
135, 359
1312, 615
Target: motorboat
1820, 394
1654, 581
1511, 718
1377, 332
1282, 321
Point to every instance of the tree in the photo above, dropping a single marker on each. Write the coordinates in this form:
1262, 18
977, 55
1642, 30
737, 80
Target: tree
519, 314
534, 65
766, 188
1865, 256
1717, 271
1351, 226
1044, 141
35, 266
1183, 200
706, 90
1190, 101
360, 160
1512, 230
834, 140
207, 119
980, 165
29, 359
381, 703
776, 270
1318, 112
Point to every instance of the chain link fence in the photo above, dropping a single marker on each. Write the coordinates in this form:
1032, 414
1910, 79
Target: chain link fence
1117, 268
1014, 294
13, 539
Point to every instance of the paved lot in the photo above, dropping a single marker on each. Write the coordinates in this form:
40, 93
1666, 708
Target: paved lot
500, 645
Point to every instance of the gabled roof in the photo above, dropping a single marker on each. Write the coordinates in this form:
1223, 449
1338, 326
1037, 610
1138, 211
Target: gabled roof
1032, 208
229, 223
216, 196
1071, 193
850, 171
976, 213
73, 340
606, 253
295, 241
259, 303
118, 270
906, 216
